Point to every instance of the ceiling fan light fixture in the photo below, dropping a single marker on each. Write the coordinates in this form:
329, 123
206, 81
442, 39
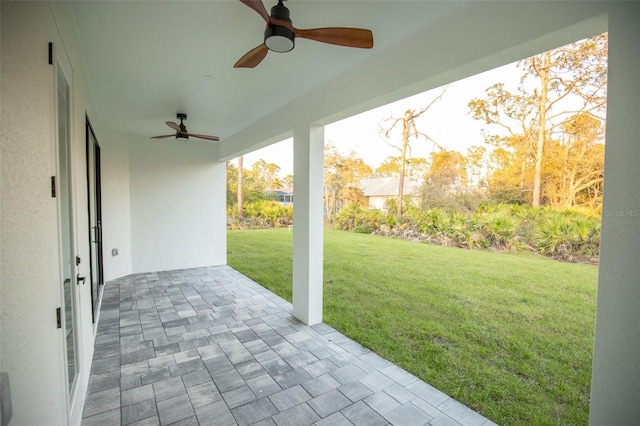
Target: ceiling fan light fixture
279, 39
182, 137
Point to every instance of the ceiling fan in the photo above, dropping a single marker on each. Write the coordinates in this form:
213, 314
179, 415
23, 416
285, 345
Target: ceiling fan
280, 34
181, 131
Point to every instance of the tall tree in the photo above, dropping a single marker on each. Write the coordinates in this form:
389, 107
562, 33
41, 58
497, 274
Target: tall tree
408, 128
415, 168
240, 186
476, 164
449, 169
266, 174
389, 167
445, 180
507, 177
555, 86
576, 169
247, 185
342, 176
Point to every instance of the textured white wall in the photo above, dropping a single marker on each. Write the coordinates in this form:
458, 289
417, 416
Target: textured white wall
30, 285
377, 202
31, 347
615, 389
116, 204
178, 217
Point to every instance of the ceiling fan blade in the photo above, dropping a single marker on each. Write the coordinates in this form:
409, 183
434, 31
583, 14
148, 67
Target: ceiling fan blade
207, 137
253, 57
258, 6
350, 37
173, 125
163, 136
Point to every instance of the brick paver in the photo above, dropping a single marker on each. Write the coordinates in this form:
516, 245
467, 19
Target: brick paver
209, 346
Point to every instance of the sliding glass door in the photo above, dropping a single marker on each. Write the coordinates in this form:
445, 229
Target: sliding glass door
95, 219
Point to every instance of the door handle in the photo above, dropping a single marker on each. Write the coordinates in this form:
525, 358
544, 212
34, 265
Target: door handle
79, 278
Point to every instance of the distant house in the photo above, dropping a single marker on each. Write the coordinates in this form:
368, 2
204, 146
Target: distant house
379, 190
285, 195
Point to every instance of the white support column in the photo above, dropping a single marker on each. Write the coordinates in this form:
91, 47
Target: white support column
615, 385
308, 162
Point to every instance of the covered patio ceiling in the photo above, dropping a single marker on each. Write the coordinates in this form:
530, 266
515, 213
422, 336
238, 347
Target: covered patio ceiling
148, 60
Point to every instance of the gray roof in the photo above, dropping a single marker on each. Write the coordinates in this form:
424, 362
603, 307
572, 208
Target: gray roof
281, 191
387, 186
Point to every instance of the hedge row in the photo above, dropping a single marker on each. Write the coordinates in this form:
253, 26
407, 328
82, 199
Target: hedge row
569, 235
260, 214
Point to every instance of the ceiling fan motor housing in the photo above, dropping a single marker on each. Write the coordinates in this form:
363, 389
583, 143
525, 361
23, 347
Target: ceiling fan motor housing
281, 12
182, 134
278, 38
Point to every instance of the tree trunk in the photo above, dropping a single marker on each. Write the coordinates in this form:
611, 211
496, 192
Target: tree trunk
403, 160
543, 74
327, 204
523, 173
240, 183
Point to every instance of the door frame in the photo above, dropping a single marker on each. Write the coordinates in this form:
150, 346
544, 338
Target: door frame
93, 164
62, 70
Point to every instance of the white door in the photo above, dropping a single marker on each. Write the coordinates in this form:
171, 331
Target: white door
69, 311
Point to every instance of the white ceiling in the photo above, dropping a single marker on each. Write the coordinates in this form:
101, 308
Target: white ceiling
146, 59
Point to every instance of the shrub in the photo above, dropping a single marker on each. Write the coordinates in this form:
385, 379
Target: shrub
570, 234
351, 216
365, 228
260, 214
567, 234
500, 230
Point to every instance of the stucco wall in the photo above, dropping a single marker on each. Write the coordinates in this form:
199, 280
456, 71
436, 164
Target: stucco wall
177, 205
116, 203
31, 346
377, 202
615, 388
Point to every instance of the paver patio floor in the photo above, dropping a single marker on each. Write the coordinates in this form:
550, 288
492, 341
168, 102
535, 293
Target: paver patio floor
208, 346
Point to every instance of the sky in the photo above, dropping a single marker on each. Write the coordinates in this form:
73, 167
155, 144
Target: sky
448, 122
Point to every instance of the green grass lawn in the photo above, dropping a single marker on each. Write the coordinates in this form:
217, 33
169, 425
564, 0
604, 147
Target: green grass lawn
509, 335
